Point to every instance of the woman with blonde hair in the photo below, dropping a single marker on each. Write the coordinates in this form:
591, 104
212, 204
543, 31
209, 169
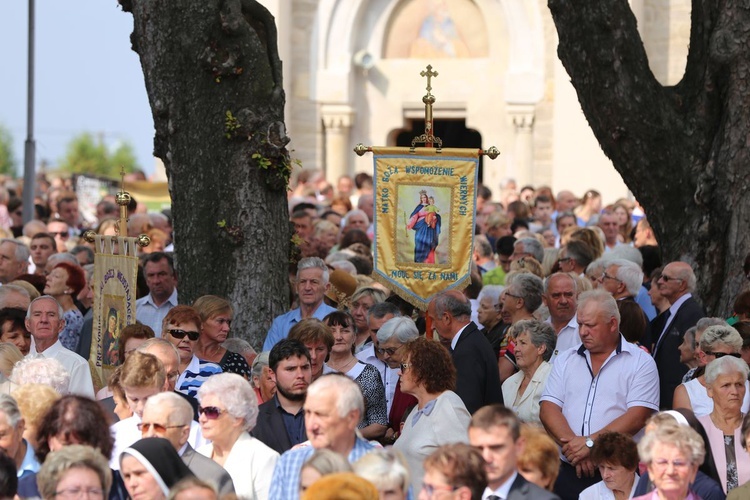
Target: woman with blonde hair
321, 463
216, 321
387, 470
34, 400
539, 462
9, 356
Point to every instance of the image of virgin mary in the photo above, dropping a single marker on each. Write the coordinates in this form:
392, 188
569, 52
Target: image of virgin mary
425, 221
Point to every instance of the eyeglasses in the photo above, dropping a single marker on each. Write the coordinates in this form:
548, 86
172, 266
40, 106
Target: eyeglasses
606, 276
722, 354
211, 412
145, 426
512, 295
431, 489
667, 279
78, 492
180, 334
63, 234
564, 259
663, 463
405, 366
390, 351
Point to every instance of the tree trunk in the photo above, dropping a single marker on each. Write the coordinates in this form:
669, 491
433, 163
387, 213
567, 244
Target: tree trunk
681, 150
213, 78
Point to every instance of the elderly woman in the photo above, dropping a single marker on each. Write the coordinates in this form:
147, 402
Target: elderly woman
216, 320
342, 360
387, 470
228, 412
672, 454
318, 339
519, 300
34, 400
534, 345
9, 356
616, 456
13, 329
743, 491
321, 463
363, 299
182, 327
440, 416
64, 283
539, 462
489, 316
75, 471
725, 382
715, 342
456, 468
392, 336
263, 383
150, 467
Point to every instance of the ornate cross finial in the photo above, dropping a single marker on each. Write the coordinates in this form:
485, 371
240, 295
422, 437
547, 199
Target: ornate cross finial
429, 74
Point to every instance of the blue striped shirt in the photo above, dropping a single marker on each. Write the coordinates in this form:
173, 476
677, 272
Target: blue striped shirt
195, 374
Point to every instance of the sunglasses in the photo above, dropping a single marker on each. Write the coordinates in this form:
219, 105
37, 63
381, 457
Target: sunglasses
180, 334
722, 354
64, 235
211, 412
145, 427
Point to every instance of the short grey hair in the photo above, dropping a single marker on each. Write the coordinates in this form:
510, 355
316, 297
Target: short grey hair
45, 371
682, 437
69, 457
628, 253
181, 412
540, 334
235, 393
381, 309
238, 346
159, 342
22, 252
629, 273
402, 328
348, 393
386, 468
725, 365
531, 246
356, 211
9, 407
548, 281
721, 334
456, 306
607, 305
6, 290
259, 362
491, 292
686, 274
530, 288
313, 263
704, 323
56, 258
482, 245
43, 297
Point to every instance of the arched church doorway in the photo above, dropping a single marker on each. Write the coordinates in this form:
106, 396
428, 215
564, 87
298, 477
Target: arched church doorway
453, 132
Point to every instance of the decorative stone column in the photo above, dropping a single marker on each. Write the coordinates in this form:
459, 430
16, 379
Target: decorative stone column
522, 118
337, 120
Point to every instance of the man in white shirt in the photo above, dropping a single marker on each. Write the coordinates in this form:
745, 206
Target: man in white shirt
45, 322
496, 432
161, 279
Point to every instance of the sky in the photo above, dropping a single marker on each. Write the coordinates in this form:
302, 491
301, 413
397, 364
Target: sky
87, 78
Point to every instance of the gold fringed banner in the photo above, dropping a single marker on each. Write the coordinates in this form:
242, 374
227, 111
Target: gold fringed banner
115, 274
424, 220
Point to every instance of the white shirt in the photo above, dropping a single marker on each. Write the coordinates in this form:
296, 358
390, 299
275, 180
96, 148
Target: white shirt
148, 313
567, 338
388, 375
80, 375
627, 378
457, 336
503, 490
599, 491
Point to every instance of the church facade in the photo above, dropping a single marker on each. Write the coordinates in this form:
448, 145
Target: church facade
352, 74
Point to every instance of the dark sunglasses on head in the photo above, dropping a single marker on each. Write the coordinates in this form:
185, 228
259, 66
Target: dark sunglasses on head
722, 354
211, 412
180, 334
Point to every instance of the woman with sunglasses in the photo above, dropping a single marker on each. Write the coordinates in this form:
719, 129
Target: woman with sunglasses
725, 382
216, 321
228, 412
182, 326
715, 342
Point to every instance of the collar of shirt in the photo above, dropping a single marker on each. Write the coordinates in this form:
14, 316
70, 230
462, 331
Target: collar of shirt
171, 301
29, 463
424, 411
50, 352
621, 346
458, 335
503, 490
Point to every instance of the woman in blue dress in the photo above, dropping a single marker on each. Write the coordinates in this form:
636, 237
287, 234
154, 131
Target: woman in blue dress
426, 222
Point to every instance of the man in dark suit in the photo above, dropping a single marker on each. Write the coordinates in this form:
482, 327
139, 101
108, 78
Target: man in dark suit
477, 376
676, 284
496, 432
281, 419
168, 416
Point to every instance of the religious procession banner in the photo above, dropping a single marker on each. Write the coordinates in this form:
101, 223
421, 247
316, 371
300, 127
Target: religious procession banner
424, 220
115, 274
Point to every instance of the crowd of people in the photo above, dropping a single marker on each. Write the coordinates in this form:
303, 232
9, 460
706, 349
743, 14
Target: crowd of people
575, 364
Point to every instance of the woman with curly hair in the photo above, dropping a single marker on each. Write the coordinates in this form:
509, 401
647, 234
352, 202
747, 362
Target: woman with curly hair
616, 456
440, 416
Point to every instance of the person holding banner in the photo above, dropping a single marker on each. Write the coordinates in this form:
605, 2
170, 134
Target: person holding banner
425, 220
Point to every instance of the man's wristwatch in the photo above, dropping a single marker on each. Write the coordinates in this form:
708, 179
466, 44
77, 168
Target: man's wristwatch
589, 442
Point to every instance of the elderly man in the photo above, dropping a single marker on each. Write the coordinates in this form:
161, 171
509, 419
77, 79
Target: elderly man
611, 229
676, 284
14, 296
45, 322
161, 279
607, 384
561, 297
391, 337
372, 354
622, 279
333, 408
281, 420
528, 247
14, 259
312, 285
484, 256
477, 375
575, 257
167, 415
496, 432
12, 442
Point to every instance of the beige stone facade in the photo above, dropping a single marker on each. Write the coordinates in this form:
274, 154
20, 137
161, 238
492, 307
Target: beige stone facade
351, 73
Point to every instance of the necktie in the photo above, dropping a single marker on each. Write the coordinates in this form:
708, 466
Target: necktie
494, 497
